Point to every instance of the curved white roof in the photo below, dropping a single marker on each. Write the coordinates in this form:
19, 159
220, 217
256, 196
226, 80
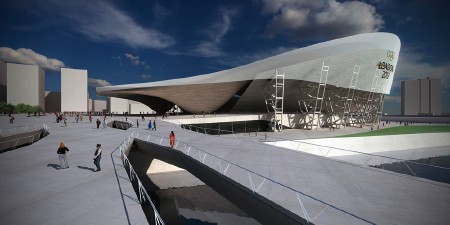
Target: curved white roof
321, 51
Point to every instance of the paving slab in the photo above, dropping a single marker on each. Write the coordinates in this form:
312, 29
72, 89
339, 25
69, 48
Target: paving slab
34, 191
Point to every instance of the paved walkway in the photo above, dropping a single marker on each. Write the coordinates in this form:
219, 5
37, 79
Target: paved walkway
33, 191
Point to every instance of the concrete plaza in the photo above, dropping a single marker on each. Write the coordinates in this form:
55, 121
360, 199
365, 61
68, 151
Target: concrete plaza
34, 191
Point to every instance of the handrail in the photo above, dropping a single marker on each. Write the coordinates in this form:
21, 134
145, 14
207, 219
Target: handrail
256, 185
319, 147
16, 141
143, 195
23, 129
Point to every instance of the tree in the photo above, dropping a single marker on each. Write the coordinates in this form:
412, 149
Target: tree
22, 108
35, 109
6, 107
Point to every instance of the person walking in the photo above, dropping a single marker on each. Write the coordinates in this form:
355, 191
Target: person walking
62, 155
98, 123
172, 139
154, 125
150, 125
97, 157
137, 123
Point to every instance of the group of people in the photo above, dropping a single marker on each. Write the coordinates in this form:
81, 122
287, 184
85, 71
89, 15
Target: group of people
62, 155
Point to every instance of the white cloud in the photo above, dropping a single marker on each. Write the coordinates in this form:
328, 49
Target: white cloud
146, 76
28, 56
321, 18
392, 99
135, 60
98, 83
215, 33
101, 21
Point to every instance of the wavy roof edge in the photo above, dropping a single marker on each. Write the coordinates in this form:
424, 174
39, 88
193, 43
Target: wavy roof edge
367, 40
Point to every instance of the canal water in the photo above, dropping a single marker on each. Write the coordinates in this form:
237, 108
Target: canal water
199, 205
427, 172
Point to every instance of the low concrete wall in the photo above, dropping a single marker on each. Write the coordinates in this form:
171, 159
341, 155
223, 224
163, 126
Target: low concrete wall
121, 125
263, 210
404, 146
17, 140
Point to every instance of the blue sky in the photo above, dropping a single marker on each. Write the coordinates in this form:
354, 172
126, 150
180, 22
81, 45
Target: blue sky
121, 42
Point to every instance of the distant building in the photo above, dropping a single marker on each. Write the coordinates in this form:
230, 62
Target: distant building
52, 101
24, 84
137, 108
117, 105
421, 97
74, 90
99, 105
90, 105
2, 81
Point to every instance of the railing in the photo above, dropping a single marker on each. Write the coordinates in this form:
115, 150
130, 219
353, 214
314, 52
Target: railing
142, 193
322, 150
24, 129
300, 203
30, 139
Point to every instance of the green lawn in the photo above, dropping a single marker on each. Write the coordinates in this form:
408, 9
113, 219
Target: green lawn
402, 130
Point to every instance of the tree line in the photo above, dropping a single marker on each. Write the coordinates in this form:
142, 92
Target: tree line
6, 108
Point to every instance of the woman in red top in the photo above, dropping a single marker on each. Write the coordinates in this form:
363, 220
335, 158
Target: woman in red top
172, 139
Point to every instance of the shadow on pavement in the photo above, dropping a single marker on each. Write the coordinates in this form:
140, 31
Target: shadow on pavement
55, 166
86, 168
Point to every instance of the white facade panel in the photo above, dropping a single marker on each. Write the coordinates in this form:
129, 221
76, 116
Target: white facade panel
118, 105
99, 105
25, 84
74, 90
137, 108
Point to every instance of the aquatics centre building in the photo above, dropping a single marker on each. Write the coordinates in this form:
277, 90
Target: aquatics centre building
336, 83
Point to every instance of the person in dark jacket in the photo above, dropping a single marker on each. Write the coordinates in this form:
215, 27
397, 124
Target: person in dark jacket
98, 123
97, 157
62, 155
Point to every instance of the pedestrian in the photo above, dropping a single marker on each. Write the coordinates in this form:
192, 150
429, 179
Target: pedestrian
90, 118
172, 139
62, 155
104, 122
65, 122
97, 157
98, 123
11, 119
81, 117
154, 125
149, 124
143, 117
137, 123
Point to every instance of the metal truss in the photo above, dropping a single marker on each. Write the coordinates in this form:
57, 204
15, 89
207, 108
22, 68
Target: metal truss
274, 98
338, 107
